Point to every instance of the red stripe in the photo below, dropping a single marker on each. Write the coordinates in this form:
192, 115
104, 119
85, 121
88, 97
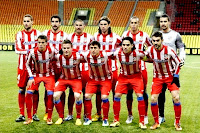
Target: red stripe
136, 63
44, 64
97, 69
37, 65
120, 60
48, 36
91, 72
75, 68
140, 41
35, 34
160, 64
54, 39
72, 38
166, 63
22, 41
61, 40
111, 41
104, 67
127, 66
128, 33
29, 39
154, 64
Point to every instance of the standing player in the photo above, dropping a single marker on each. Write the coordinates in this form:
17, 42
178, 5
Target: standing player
100, 80
172, 39
109, 41
71, 77
80, 41
55, 38
130, 78
141, 39
25, 40
166, 69
40, 71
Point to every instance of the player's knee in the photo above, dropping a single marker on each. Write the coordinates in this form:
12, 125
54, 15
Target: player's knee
176, 98
88, 96
118, 95
154, 98
77, 96
56, 96
104, 97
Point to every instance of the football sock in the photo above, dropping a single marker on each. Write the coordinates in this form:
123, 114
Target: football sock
50, 103
88, 108
71, 101
98, 103
116, 108
105, 107
154, 110
141, 108
35, 101
21, 101
29, 103
78, 109
59, 108
177, 110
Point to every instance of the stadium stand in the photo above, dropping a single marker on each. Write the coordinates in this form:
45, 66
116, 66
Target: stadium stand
187, 15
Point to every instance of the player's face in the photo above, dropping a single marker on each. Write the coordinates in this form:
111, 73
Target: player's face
104, 26
157, 42
164, 23
55, 24
79, 27
27, 23
94, 50
127, 46
67, 49
42, 44
134, 24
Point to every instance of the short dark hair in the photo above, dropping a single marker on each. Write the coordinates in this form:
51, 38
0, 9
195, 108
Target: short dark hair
105, 18
28, 15
130, 40
42, 37
67, 42
165, 16
157, 34
79, 20
95, 43
56, 16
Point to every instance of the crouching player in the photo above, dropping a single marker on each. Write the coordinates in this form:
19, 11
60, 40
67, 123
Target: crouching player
164, 73
130, 78
100, 80
40, 71
70, 77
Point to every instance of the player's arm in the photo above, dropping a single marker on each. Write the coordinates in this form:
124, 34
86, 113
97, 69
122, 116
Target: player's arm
181, 46
147, 42
28, 67
18, 46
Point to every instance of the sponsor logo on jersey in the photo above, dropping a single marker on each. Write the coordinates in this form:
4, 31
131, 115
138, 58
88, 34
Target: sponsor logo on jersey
43, 61
29, 43
127, 63
68, 66
54, 42
160, 61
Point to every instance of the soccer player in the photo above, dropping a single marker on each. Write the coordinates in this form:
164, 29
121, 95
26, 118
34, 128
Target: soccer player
141, 39
80, 41
100, 80
40, 71
109, 41
71, 77
55, 37
25, 40
130, 78
172, 39
166, 69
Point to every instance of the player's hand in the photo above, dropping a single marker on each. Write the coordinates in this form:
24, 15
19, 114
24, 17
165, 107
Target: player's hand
182, 62
176, 80
30, 82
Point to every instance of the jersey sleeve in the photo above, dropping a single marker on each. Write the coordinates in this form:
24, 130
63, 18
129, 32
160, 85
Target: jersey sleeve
180, 45
28, 63
18, 45
118, 41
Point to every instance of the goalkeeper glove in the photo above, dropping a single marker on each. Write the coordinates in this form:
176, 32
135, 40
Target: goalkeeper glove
176, 80
182, 63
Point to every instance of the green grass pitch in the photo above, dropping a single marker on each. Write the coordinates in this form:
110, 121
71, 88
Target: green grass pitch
190, 92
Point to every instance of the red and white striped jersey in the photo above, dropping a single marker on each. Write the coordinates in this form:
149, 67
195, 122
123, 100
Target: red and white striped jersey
24, 41
42, 66
162, 61
70, 66
129, 62
81, 43
139, 40
99, 68
109, 42
55, 39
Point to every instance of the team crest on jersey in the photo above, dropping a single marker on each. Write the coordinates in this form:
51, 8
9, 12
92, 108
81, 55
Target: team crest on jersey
166, 56
110, 40
61, 38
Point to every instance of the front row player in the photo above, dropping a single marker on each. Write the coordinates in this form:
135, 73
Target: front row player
130, 78
164, 73
40, 71
100, 80
70, 77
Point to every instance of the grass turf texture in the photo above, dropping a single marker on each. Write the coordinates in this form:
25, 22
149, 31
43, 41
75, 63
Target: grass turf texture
189, 78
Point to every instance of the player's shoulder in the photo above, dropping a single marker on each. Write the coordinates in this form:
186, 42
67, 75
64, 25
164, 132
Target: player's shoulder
45, 32
96, 34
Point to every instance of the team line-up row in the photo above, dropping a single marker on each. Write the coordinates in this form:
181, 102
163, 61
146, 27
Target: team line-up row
94, 59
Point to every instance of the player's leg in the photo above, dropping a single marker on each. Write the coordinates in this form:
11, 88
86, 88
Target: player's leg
70, 104
106, 86
49, 83
22, 80
35, 105
161, 104
156, 90
129, 103
58, 104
